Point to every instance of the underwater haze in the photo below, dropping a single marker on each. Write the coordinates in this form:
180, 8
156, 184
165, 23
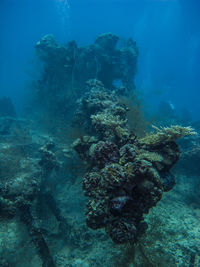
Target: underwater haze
166, 31
99, 133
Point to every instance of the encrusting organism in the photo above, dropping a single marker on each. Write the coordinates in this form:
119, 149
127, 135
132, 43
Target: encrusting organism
126, 175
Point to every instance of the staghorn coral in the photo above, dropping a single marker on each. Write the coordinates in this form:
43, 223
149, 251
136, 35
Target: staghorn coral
126, 175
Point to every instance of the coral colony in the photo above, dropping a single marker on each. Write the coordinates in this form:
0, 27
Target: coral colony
127, 175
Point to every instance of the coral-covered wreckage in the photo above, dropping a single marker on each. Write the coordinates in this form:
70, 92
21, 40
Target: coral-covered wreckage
66, 68
27, 161
126, 175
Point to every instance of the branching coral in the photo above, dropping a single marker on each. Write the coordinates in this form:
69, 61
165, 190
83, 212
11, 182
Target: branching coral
107, 121
100, 112
150, 156
167, 134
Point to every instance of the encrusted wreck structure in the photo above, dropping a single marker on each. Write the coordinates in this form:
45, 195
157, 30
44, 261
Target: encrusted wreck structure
66, 68
27, 161
126, 175
124, 172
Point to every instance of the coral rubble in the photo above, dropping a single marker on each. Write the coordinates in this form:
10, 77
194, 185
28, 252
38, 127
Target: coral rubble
126, 175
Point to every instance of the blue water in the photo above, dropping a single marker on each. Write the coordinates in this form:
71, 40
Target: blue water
167, 33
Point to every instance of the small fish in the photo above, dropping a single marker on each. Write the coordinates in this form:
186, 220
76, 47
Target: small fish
119, 202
